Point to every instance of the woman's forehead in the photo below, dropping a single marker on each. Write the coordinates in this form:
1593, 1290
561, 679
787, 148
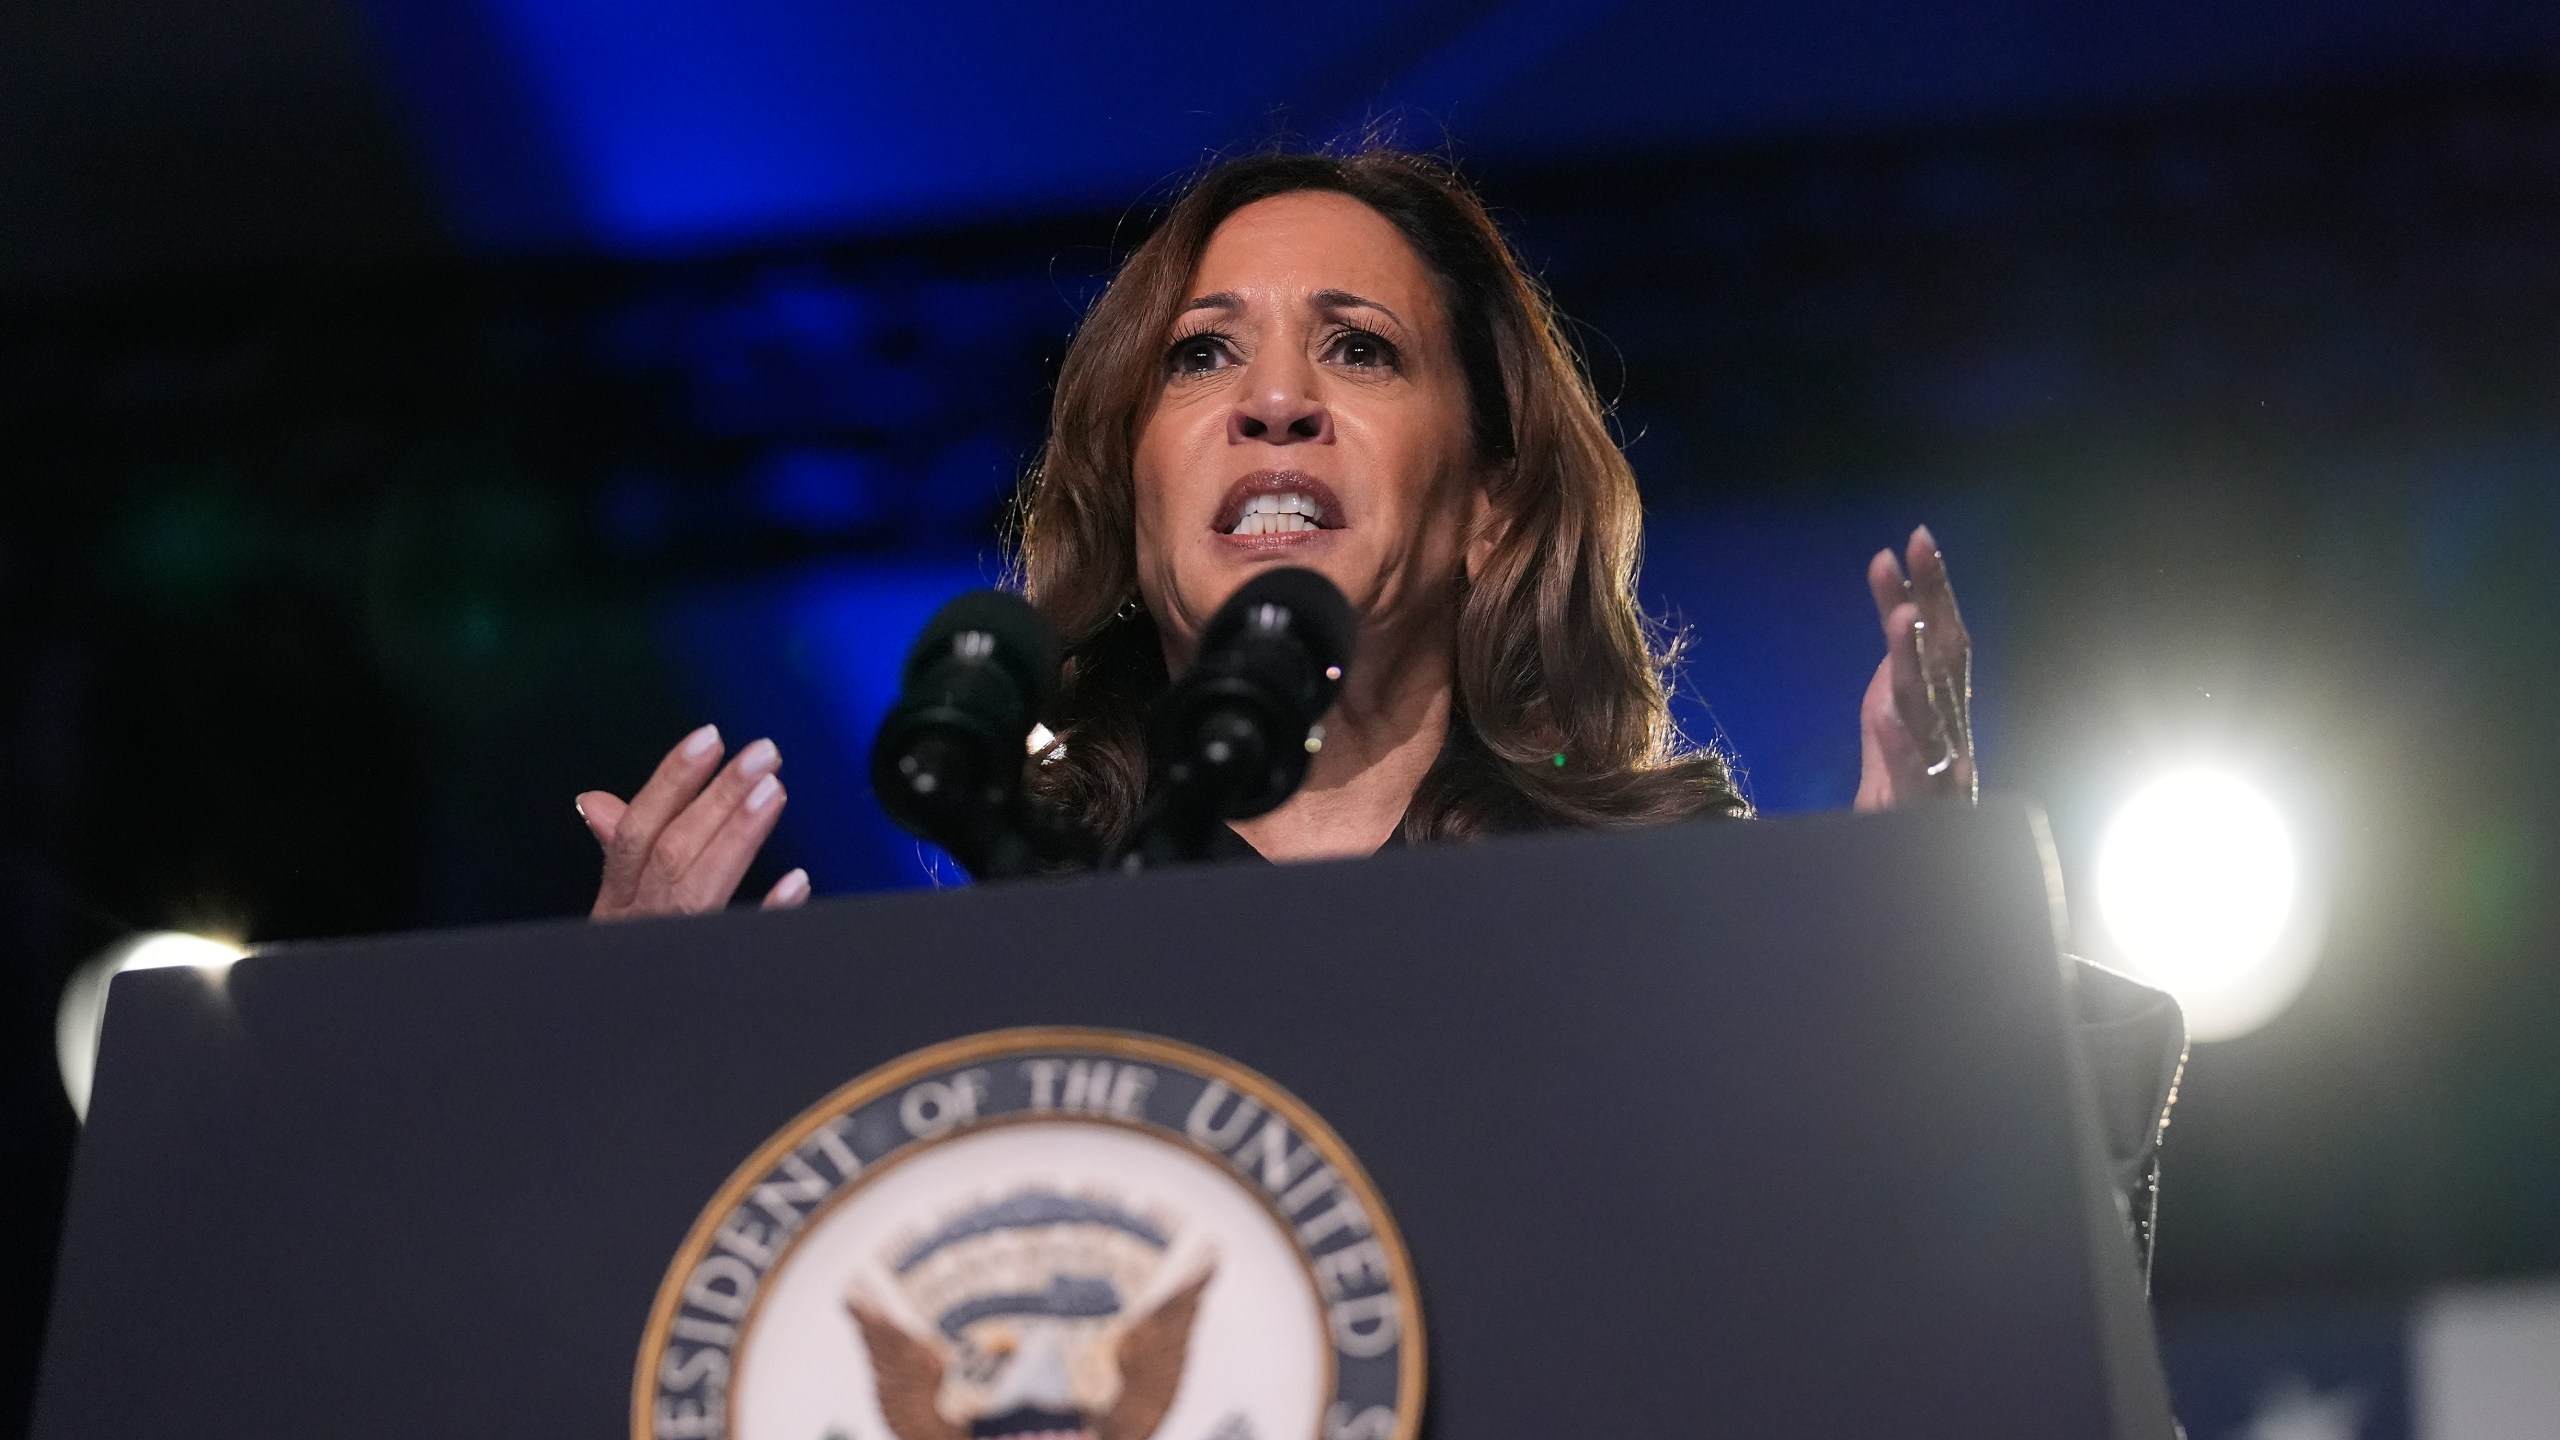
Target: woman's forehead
1285, 249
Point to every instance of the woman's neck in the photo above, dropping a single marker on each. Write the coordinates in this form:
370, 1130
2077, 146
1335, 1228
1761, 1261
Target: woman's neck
1378, 744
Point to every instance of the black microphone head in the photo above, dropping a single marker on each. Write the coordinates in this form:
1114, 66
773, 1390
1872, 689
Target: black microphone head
1235, 731
949, 755
1016, 638
1299, 603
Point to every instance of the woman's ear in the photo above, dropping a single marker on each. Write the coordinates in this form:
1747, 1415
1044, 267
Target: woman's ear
1487, 526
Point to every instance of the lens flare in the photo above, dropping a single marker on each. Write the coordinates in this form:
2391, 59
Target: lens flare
2198, 885
82, 1017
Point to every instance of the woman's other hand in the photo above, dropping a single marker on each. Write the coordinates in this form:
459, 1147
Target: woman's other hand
1916, 723
683, 843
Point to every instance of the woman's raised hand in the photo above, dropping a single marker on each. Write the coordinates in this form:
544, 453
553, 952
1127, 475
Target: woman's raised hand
684, 842
1916, 724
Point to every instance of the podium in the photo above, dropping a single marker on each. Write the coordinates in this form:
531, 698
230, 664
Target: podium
1769, 1130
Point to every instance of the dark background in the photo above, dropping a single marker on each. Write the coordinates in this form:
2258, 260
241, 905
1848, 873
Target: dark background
414, 413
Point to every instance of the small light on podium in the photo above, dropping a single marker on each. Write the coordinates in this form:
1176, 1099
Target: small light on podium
82, 1017
2200, 890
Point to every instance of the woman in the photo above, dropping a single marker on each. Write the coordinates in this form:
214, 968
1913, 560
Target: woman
1338, 363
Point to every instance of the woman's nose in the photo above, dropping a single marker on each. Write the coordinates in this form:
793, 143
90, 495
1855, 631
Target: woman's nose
1279, 411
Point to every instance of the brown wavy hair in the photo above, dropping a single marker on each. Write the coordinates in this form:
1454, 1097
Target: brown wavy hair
1560, 717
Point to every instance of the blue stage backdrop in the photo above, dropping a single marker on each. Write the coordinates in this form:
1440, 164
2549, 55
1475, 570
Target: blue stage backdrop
656, 125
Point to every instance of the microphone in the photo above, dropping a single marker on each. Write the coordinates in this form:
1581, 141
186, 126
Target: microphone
1230, 739
947, 763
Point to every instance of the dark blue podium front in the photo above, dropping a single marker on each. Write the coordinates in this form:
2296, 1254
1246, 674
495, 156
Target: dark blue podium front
1765, 1129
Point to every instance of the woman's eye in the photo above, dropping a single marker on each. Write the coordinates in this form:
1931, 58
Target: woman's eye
1197, 355
1361, 350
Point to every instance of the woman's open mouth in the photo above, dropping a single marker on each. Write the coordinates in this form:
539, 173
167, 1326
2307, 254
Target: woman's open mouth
1273, 506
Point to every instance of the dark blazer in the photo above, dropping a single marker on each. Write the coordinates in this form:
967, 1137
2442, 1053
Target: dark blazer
2132, 1039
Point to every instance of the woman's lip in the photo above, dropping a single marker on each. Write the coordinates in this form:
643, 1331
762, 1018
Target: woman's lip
1277, 482
1278, 540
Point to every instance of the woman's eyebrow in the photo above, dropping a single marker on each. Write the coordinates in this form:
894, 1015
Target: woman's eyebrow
1223, 300
1345, 300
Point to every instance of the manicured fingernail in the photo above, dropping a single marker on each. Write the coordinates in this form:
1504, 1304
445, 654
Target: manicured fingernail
792, 888
702, 742
763, 794
758, 758
1925, 538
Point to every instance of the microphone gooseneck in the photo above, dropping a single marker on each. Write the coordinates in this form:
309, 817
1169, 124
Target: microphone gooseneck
1231, 739
947, 764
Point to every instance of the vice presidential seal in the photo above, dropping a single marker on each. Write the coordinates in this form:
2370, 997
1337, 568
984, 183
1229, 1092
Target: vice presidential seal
1060, 1234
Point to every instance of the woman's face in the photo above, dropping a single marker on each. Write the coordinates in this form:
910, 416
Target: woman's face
1311, 412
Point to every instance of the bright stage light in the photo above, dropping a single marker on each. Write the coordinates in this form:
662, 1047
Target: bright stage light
2198, 886
160, 949
82, 1016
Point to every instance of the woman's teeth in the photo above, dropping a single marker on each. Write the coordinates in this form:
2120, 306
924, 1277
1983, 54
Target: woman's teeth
1278, 515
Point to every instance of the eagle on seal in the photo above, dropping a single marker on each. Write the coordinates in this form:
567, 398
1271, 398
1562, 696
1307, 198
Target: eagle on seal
908, 1371
1030, 1337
